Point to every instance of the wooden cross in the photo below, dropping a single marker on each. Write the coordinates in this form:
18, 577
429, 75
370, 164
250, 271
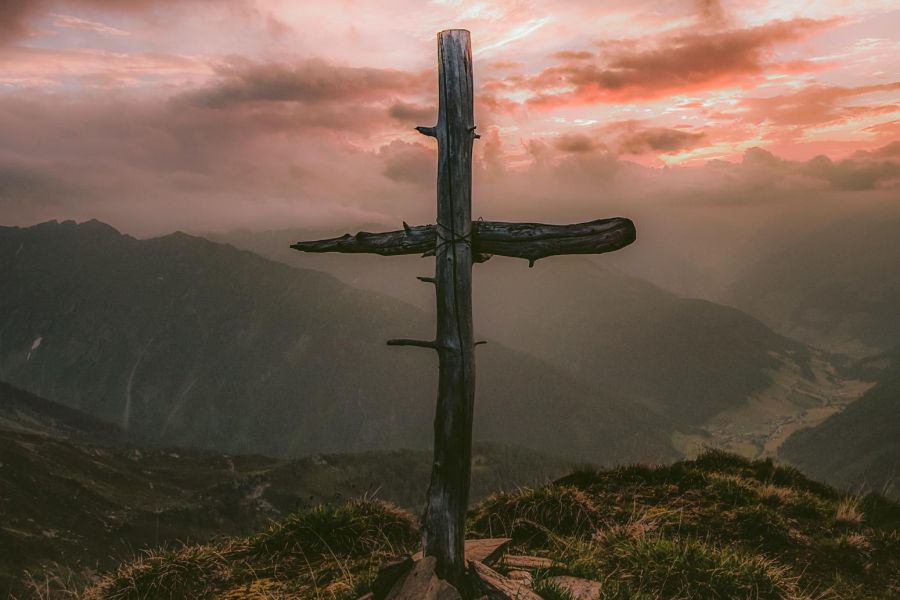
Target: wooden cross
457, 242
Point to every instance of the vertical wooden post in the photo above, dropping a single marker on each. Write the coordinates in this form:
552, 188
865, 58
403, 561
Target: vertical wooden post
448, 494
451, 242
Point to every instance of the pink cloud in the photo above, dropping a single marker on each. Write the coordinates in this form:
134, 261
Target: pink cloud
686, 61
212, 114
815, 105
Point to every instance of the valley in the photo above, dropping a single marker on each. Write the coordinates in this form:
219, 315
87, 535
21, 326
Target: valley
760, 427
857, 448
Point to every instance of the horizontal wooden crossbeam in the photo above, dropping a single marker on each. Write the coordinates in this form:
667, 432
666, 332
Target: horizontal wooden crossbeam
531, 241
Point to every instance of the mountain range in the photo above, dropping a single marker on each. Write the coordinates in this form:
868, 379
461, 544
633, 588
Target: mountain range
193, 343
184, 341
690, 362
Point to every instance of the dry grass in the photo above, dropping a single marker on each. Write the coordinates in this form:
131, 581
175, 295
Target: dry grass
54, 583
775, 495
721, 527
679, 568
533, 513
849, 511
326, 553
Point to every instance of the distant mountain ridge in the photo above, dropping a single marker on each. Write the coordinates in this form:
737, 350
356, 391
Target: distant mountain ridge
837, 288
23, 412
195, 343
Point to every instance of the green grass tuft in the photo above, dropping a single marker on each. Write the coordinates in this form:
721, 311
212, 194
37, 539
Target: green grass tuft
358, 528
326, 553
529, 513
679, 568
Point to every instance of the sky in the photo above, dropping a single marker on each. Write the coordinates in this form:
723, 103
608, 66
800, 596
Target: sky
155, 115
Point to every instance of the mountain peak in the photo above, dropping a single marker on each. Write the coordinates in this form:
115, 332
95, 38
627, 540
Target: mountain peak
71, 224
100, 226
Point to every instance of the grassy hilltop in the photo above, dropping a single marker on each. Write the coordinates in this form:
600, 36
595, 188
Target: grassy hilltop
713, 528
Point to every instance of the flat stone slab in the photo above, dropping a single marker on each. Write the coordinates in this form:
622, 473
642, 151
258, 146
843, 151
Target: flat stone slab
578, 588
485, 551
528, 563
497, 587
422, 583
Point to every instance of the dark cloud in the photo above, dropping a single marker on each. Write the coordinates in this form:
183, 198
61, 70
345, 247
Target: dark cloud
409, 163
757, 157
13, 18
307, 81
628, 137
658, 139
576, 143
688, 60
413, 114
865, 171
573, 55
891, 150
852, 174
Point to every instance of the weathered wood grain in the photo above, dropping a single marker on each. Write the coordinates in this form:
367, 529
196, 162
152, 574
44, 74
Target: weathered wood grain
414, 240
448, 493
531, 241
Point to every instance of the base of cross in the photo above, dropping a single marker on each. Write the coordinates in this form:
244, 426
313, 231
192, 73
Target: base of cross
414, 577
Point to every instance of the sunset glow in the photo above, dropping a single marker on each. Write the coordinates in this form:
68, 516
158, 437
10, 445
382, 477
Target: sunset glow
150, 114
